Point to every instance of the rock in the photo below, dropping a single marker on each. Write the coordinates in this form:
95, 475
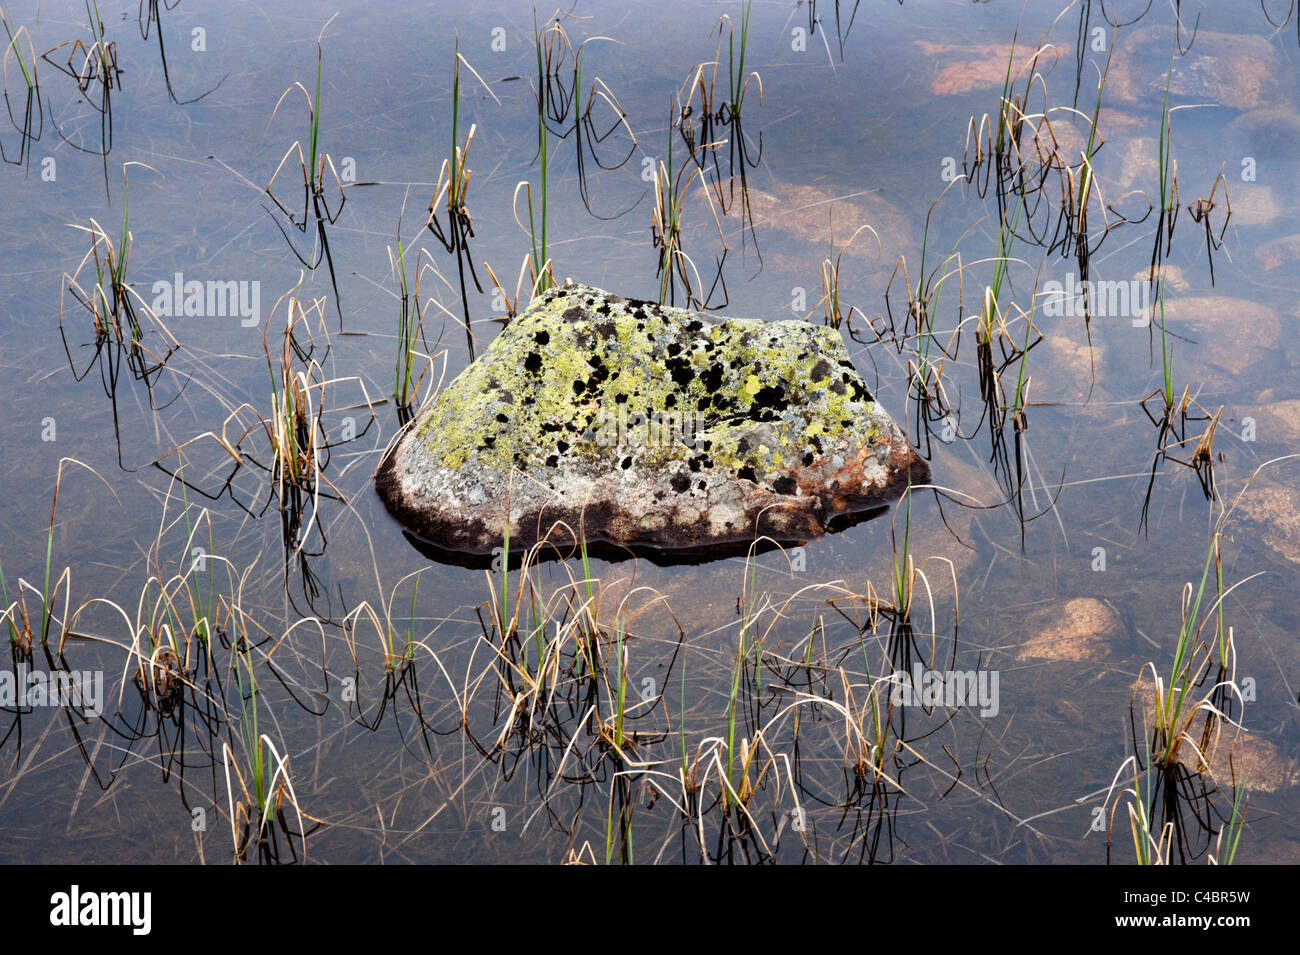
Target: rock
1275, 424
811, 214
1272, 130
1235, 70
1111, 120
1175, 281
1251, 205
1134, 166
1073, 363
1283, 251
1057, 144
662, 429
1272, 511
1083, 630
1258, 764
984, 65
1232, 335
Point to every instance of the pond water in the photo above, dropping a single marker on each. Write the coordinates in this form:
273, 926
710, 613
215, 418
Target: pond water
1050, 565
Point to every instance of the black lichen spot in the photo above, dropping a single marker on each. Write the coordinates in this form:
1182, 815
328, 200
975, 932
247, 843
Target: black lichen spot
807, 459
544, 337
579, 386
820, 370
670, 401
562, 446
784, 485
571, 314
680, 483
681, 371
620, 399
502, 417
533, 362
770, 397
552, 461
627, 463
748, 474
712, 379
701, 485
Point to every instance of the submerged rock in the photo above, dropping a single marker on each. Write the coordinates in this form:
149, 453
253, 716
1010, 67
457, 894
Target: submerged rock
1230, 751
1234, 337
817, 215
971, 66
1235, 70
1283, 251
651, 426
1251, 205
1083, 629
1272, 130
1272, 512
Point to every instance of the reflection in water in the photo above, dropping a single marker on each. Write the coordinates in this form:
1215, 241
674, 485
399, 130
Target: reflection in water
556, 548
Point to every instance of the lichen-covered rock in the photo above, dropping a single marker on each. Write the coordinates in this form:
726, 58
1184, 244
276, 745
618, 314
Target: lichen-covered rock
652, 426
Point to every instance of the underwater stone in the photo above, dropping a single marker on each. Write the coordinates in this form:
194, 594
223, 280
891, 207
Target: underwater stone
649, 426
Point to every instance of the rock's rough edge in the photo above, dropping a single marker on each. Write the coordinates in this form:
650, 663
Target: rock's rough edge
784, 524
788, 518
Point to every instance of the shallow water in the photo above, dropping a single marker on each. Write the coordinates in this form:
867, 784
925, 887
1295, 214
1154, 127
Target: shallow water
871, 128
